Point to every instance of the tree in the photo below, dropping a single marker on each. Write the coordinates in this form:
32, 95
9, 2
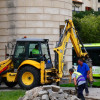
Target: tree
88, 28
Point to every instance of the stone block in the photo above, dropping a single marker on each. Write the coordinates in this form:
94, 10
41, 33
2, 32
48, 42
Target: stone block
4, 25
68, 6
65, 95
74, 98
50, 91
38, 17
34, 23
55, 31
42, 93
36, 98
67, 91
46, 87
64, 11
2, 52
34, 10
57, 4
58, 17
51, 10
57, 96
51, 24
47, 3
5, 38
3, 11
55, 88
33, 92
69, 52
73, 92
3, 4
45, 97
3, 18
21, 3
52, 37
68, 58
25, 31
45, 32
60, 91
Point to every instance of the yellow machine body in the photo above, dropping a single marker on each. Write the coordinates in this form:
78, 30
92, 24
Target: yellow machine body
53, 74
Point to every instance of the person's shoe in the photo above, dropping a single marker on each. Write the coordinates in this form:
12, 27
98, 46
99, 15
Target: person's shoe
87, 94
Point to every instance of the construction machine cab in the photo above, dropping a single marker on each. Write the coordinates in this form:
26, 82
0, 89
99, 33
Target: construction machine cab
31, 49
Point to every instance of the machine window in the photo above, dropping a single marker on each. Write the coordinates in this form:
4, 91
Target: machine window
20, 50
33, 47
45, 50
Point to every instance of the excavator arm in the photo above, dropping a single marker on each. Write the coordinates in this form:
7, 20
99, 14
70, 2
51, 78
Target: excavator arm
69, 32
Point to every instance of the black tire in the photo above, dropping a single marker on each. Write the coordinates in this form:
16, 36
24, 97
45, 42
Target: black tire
36, 74
58, 83
10, 84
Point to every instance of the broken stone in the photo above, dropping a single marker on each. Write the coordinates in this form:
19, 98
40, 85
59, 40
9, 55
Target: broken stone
46, 87
45, 97
60, 91
55, 88
74, 98
33, 92
65, 95
73, 92
26, 98
42, 93
50, 92
67, 91
37, 98
53, 98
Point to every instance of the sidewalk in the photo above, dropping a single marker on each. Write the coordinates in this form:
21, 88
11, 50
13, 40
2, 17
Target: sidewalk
94, 93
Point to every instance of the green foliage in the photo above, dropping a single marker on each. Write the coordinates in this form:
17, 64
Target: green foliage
67, 85
11, 95
88, 26
96, 84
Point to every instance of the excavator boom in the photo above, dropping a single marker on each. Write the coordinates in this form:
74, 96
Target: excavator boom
69, 32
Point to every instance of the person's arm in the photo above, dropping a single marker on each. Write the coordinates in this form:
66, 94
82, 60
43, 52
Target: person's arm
88, 70
74, 78
75, 81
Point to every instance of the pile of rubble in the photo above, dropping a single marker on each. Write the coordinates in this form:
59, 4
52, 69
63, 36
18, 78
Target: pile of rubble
49, 92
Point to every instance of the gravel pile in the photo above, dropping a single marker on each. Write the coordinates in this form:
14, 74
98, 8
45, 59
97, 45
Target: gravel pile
49, 92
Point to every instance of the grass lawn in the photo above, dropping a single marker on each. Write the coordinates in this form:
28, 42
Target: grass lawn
95, 84
11, 95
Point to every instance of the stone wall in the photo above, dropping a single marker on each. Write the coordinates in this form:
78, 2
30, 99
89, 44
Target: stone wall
33, 18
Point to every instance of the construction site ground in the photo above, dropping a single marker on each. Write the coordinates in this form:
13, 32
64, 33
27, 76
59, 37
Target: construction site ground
94, 92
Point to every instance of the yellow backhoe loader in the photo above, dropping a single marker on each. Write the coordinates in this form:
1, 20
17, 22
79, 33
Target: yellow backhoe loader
30, 69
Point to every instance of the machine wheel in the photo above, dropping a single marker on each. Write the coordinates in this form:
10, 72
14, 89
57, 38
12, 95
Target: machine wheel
28, 77
58, 83
10, 84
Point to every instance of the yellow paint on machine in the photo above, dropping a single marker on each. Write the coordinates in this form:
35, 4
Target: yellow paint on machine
30, 62
27, 78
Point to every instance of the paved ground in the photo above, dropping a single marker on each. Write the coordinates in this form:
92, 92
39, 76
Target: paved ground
94, 92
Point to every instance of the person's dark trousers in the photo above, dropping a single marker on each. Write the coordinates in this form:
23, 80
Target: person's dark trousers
86, 86
80, 91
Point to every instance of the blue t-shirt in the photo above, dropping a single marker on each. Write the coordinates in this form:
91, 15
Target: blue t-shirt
83, 69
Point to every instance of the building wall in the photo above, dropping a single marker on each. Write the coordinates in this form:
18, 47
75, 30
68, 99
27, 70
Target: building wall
77, 7
94, 4
34, 18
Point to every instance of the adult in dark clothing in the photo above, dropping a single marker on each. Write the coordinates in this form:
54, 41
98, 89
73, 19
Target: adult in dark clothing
83, 68
80, 81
